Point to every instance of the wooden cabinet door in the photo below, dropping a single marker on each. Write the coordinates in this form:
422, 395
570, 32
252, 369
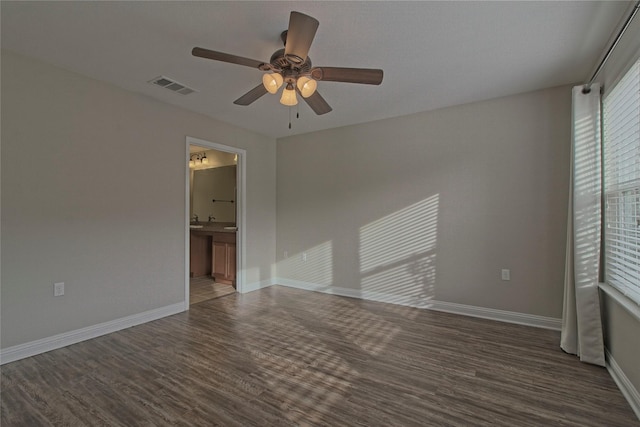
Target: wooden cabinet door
223, 259
219, 261
231, 263
200, 251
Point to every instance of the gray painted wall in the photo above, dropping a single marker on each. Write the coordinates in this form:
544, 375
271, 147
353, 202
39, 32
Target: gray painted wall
81, 206
434, 205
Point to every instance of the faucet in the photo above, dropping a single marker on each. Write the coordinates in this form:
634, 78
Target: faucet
194, 218
211, 218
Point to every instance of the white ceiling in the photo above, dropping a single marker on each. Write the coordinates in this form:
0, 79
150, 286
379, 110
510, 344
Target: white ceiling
434, 54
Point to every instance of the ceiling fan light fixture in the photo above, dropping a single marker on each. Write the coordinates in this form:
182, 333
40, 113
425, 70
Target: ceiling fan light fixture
292, 65
272, 82
289, 96
306, 86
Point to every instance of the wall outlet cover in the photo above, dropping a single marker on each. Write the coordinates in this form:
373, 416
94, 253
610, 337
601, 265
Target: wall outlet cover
58, 289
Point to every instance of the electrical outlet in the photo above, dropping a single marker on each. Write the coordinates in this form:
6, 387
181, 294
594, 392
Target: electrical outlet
58, 289
506, 274
304, 256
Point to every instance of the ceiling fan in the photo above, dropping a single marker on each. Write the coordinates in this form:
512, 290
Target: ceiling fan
292, 67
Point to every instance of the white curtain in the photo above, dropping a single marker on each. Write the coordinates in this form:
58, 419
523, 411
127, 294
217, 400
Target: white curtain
581, 324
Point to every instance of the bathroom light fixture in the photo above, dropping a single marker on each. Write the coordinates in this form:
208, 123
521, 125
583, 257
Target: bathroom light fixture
198, 159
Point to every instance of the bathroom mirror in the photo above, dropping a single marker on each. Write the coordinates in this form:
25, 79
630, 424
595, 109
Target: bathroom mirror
217, 184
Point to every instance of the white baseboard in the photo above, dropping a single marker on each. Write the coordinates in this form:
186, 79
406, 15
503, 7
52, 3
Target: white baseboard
499, 315
624, 384
43, 345
250, 287
449, 307
33, 348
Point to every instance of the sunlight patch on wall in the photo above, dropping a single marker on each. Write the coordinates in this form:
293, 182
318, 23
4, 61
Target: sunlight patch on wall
411, 283
399, 235
397, 254
314, 265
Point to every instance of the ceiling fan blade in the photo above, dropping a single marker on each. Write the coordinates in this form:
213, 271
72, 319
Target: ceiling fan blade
368, 76
225, 57
302, 30
317, 103
251, 96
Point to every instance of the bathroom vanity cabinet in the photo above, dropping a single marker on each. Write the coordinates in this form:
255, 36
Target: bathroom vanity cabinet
213, 253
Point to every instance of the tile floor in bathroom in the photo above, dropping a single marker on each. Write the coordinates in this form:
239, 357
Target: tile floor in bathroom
205, 288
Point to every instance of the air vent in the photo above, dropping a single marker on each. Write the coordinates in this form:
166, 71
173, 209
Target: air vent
172, 85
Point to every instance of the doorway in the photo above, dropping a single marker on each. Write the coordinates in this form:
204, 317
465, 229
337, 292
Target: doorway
214, 238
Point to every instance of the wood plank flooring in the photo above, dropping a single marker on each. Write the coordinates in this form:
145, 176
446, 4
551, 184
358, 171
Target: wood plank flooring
205, 288
285, 357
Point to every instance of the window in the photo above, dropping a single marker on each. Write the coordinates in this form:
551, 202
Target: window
621, 154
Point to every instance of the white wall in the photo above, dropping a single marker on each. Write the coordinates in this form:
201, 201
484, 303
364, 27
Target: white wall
432, 206
78, 207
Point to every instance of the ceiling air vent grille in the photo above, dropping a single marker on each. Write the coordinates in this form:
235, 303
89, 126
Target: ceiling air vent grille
172, 85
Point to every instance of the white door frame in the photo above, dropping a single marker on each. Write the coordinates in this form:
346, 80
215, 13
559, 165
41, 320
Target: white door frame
241, 184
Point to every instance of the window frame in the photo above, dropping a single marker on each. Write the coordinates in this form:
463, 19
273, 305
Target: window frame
621, 176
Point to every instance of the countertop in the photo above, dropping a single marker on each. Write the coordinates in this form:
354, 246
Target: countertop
212, 227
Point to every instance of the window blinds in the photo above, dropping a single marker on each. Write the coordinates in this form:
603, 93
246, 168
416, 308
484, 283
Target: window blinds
621, 116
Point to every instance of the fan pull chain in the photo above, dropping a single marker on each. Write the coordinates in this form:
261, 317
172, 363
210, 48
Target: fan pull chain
297, 111
289, 117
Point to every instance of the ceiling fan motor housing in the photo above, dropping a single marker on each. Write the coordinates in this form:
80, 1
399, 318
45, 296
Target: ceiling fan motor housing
281, 63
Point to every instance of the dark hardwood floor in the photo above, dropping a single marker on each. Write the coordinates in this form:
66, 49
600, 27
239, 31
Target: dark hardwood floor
281, 356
